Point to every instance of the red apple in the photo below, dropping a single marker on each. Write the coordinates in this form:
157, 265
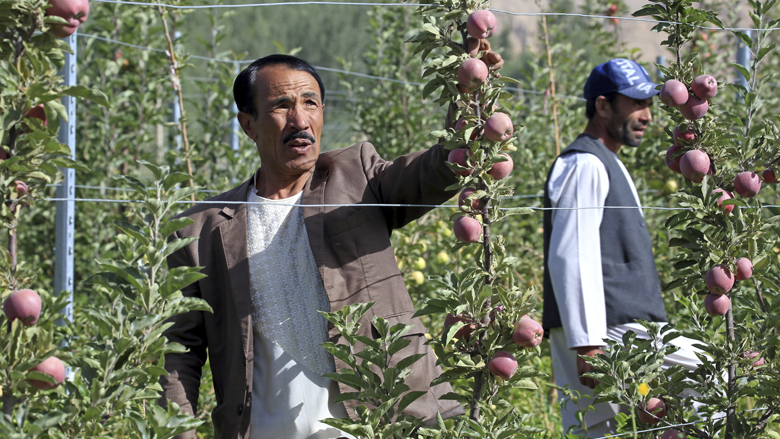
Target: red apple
463, 331
467, 229
458, 157
694, 164
719, 279
673, 162
37, 112
673, 434
754, 354
612, 9
528, 333
744, 268
747, 184
694, 108
657, 409
461, 123
717, 304
476, 205
502, 169
704, 87
503, 365
472, 73
24, 305
75, 11
681, 137
498, 127
481, 24
769, 176
674, 93
726, 196
50, 366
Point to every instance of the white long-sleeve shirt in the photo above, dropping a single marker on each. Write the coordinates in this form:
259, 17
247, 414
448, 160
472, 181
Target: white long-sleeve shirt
580, 180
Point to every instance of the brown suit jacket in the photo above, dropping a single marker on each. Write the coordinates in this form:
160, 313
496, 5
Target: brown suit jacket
351, 246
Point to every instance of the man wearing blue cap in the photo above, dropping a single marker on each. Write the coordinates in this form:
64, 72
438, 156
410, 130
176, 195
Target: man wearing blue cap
599, 271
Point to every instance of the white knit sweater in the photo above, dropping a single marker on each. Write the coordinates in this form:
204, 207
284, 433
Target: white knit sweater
289, 395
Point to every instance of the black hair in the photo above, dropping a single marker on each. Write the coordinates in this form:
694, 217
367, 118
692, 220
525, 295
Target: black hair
590, 104
244, 85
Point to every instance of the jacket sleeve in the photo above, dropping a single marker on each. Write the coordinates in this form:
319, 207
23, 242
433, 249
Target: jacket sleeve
182, 385
418, 178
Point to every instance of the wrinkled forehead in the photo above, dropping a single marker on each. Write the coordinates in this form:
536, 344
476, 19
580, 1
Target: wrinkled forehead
275, 81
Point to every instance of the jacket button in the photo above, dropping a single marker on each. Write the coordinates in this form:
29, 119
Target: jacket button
240, 409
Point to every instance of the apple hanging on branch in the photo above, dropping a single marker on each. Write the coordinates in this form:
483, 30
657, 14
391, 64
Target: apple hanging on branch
75, 12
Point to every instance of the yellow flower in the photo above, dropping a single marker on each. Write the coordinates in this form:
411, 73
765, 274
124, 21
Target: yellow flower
643, 389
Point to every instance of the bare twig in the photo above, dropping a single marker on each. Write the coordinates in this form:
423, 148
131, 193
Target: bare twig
174, 72
552, 86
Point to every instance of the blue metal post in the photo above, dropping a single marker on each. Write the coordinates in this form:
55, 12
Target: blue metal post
743, 59
66, 210
235, 128
661, 61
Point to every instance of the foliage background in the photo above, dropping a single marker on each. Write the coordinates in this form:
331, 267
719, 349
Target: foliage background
360, 39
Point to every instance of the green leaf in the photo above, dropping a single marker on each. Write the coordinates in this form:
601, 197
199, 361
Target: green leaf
409, 398
174, 225
81, 91
742, 69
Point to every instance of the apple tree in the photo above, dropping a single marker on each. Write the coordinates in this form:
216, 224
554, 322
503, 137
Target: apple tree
725, 276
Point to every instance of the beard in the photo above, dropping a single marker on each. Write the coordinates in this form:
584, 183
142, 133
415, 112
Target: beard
622, 130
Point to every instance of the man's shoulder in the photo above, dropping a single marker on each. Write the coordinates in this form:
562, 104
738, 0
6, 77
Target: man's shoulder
350, 153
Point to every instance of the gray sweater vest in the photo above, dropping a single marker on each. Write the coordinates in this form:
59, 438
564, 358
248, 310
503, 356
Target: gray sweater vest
631, 287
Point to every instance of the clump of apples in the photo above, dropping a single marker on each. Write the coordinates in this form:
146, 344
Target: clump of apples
693, 105
653, 411
528, 333
503, 365
25, 305
75, 12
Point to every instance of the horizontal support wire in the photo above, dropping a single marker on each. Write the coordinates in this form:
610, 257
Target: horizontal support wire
326, 69
669, 427
520, 14
431, 206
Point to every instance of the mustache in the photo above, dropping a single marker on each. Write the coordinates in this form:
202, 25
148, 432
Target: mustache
299, 135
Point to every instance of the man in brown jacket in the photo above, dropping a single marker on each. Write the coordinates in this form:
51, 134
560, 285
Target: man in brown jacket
266, 379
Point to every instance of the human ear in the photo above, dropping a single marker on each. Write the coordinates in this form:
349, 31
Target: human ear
248, 124
603, 107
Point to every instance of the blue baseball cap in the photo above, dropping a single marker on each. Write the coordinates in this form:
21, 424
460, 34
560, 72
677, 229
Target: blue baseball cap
622, 76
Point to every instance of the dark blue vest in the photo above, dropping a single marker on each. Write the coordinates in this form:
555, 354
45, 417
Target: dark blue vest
631, 287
